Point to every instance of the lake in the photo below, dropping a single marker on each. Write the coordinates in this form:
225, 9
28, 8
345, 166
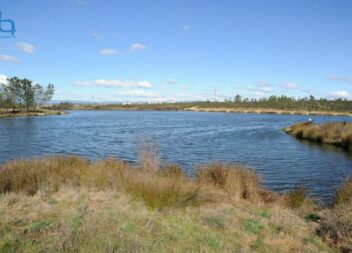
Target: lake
188, 139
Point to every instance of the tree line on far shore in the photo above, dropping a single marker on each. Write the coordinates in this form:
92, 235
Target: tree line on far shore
23, 94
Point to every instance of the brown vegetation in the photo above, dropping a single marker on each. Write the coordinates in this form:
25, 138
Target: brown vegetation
336, 133
336, 224
224, 201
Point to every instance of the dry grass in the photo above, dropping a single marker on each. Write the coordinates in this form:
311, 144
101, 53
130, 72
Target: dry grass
158, 190
69, 204
79, 220
236, 181
337, 133
343, 194
296, 198
336, 224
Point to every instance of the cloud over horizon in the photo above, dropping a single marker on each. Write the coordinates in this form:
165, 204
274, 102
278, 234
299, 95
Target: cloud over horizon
115, 83
347, 79
3, 79
137, 93
340, 94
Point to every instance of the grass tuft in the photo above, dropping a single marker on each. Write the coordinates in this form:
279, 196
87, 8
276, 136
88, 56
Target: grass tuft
336, 133
238, 182
343, 194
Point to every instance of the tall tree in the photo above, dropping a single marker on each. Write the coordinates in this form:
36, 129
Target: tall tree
49, 92
38, 94
13, 90
28, 92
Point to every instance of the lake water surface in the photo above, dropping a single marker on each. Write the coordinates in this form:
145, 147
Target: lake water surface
186, 138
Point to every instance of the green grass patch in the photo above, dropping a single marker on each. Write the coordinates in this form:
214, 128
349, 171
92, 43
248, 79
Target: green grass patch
253, 226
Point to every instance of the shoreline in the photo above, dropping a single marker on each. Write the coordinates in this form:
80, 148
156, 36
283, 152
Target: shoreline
268, 111
224, 109
39, 112
333, 133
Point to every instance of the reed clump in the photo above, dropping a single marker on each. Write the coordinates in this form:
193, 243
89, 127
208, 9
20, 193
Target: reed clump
337, 133
336, 224
157, 189
236, 181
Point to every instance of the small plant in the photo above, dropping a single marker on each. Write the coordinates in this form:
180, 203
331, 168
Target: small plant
296, 197
52, 201
40, 226
313, 217
216, 222
10, 246
252, 226
265, 214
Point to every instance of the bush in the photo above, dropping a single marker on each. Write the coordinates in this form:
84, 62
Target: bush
343, 194
236, 181
337, 133
296, 197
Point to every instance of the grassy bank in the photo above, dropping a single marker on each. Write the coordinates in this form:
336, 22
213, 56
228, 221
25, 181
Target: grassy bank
268, 111
39, 112
242, 107
336, 133
68, 204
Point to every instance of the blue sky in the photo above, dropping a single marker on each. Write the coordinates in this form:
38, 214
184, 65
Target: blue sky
150, 50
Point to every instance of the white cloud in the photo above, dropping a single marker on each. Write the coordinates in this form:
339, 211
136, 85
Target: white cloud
290, 85
296, 86
26, 47
264, 86
347, 79
137, 47
115, 83
339, 94
137, 93
186, 28
97, 35
81, 83
8, 58
121, 83
261, 88
3, 79
109, 51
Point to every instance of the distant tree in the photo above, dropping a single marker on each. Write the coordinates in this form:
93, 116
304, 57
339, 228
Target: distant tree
238, 99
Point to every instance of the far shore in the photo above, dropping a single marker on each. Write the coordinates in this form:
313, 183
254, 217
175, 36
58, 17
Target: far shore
267, 111
39, 112
223, 109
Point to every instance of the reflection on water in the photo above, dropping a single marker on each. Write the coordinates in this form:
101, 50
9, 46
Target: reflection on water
186, 138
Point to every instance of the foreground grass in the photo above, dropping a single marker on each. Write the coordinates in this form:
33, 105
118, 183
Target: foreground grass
336, 133
39, 112
68, 204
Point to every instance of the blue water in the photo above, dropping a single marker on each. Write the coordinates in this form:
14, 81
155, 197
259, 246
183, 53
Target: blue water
186, 138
